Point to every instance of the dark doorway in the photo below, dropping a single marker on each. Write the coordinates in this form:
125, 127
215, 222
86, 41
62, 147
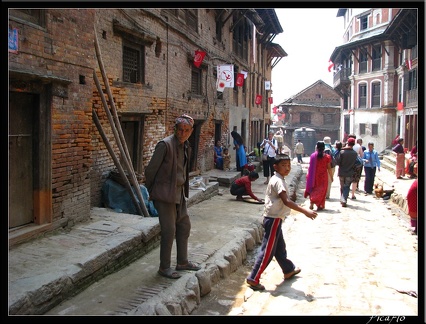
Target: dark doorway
22, 127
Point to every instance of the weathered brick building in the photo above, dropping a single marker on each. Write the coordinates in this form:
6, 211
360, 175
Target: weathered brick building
316, 107
61, 163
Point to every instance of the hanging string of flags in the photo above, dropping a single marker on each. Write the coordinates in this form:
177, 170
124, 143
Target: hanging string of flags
225, 76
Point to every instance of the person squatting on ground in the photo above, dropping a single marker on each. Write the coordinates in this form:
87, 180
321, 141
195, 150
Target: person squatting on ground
371, 162
318, 176
400, 159
242, 186
346, 163
299, 150
277, 207
218, 158
269, 146
167, 181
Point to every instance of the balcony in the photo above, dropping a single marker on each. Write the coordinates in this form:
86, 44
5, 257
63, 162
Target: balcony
341, 78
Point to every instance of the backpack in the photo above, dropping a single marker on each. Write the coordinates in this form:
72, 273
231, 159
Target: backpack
333, 159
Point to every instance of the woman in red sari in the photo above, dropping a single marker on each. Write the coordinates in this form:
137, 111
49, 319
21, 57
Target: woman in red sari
317, 177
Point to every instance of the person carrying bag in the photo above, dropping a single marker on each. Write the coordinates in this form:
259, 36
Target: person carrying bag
270, 147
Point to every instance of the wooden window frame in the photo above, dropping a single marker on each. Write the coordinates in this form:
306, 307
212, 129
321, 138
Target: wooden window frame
375, 94
362, 95
196, 77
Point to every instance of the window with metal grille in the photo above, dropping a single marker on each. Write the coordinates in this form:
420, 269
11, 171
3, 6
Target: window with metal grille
362, 96
363, 61
305, 118
363, 22
374, 129
361, 128
133, 63
377, 58
196, 81
375, 94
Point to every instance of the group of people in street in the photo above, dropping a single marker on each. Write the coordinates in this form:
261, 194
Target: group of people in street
351, 159
167, 181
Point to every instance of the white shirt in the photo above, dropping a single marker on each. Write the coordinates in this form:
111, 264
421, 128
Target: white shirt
357, 148
274, 206
269, 150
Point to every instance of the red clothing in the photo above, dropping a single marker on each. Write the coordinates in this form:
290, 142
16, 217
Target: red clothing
412, 199
245, 182
318, 176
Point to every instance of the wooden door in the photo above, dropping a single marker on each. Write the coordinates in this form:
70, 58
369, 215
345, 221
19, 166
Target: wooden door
21, 178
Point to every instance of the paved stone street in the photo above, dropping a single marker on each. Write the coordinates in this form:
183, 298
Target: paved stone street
358, 260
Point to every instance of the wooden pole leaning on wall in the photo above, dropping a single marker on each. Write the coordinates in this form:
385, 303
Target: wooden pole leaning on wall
116, 127
116, 161
129, 168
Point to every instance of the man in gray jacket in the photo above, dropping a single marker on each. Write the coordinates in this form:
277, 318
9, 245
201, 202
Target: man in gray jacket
346, 163
167, 181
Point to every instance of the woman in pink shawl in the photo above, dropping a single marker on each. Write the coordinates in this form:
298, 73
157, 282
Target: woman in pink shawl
317, 177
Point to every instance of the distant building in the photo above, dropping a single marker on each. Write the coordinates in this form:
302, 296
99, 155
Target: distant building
316, 107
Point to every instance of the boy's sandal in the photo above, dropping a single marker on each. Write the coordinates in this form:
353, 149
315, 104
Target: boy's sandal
189, 266
169, 273
254, 286
294, 272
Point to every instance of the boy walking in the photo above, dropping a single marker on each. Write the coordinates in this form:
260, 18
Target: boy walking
277, 206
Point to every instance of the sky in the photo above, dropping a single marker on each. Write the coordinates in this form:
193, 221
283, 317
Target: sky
309, 38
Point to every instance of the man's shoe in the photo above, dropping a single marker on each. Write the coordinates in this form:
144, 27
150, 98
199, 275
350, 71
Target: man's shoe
343, 204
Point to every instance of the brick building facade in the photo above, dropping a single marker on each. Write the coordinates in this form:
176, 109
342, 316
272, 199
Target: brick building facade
148, 60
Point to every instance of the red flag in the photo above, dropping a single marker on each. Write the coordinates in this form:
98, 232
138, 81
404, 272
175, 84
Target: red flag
270, 100
240, 80
400, 106
408, 63
198, 58
330, 65
258, 99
